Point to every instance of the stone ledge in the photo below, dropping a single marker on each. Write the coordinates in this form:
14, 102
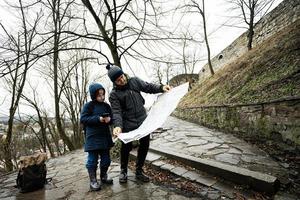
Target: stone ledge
256, 180
206, 180
179, 171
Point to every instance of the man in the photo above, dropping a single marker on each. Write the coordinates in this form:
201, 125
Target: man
129, 113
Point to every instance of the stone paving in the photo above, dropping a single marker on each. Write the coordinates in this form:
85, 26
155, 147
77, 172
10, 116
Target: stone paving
70, 181
211, 187
201, 142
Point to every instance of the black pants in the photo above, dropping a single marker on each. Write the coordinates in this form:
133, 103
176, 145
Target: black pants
141, 156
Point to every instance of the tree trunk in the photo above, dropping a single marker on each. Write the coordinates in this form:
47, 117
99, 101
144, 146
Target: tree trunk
251, 29
250, 37
56, 101
7, 143
112, 46
55, 140
206, 41
56, 18
44, 134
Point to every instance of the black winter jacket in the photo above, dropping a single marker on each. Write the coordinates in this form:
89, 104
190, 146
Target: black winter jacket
127, 103
97, 134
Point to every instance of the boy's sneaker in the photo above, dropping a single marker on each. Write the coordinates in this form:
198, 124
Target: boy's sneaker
139, 175
95, 186
123, 176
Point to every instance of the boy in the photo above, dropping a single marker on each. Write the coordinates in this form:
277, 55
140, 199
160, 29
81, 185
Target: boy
96, 116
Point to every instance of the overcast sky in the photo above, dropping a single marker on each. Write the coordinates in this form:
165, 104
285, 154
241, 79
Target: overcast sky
219, 37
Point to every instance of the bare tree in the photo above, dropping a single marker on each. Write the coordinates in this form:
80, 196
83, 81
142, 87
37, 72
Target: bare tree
23, 142
59, 20
195, 7
168, 72
158, 73
53, 132
189, 61
25, 55
189, 58
164, 72
41, 121
75, 93
250, 12
131, 27
19, 46
109, 18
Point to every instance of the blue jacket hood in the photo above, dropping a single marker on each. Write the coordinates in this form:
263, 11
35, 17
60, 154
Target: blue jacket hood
93, 89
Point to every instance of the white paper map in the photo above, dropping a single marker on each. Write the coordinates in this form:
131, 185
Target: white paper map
161, 109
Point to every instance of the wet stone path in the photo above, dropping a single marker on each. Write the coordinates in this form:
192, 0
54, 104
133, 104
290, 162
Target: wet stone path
201, 142
70, 181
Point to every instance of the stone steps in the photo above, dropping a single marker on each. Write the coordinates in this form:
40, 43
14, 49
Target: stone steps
226, 189
256, 180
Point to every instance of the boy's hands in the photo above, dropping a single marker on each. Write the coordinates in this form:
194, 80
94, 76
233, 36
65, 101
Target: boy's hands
104, 119
117, 131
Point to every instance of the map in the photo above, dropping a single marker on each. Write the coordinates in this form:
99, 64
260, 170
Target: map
158, 114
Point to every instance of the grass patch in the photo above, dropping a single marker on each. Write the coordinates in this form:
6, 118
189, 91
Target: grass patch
268, 72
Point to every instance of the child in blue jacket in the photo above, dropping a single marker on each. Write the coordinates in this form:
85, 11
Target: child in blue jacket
96, 116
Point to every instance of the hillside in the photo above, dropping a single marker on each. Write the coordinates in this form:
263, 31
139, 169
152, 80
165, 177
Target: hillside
268, 72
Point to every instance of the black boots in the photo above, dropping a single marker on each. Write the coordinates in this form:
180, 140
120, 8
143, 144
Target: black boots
123, 176
103, 176
94, 185
139, 175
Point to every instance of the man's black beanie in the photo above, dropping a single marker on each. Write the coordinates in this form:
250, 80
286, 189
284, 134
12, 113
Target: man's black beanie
113, 72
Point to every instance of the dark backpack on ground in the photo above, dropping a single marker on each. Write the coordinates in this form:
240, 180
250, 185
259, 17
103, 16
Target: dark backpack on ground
32, 172
32, 178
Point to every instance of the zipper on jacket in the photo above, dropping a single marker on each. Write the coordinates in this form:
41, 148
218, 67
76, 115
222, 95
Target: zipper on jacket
134, 103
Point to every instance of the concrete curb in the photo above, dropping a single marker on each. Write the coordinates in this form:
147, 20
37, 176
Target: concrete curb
157, 162
256, 180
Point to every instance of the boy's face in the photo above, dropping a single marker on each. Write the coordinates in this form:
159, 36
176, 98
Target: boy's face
100, 95
121, 80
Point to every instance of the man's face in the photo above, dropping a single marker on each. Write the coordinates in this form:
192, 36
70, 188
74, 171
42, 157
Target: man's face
100, 95
121, 81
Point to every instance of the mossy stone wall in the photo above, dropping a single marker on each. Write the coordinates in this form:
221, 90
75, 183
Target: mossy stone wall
285, 14
266, 120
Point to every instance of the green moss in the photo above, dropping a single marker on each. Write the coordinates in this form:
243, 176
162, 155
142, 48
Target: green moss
262, 126
232, 118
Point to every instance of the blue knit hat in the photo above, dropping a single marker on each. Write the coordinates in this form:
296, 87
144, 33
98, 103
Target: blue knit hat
93, 89
114, 72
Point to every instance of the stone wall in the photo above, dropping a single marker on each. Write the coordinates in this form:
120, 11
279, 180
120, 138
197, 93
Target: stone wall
182, 78
286, 13
279, 119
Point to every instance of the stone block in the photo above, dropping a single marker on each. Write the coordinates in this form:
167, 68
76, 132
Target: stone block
152, 157
191, 175
179, 171
158, 163
206, 180
228, 158
167, 167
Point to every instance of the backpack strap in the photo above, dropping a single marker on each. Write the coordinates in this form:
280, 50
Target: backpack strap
90, 108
